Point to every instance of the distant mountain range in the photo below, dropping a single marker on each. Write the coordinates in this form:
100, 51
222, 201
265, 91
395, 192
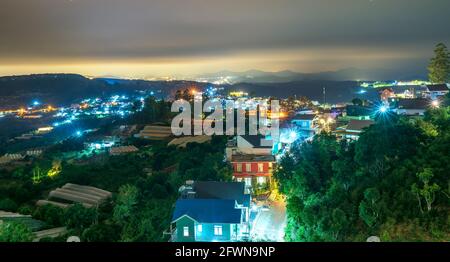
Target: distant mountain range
62, 89
349, 74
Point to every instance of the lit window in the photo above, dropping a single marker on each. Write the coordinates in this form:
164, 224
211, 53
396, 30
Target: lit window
199, 228
248, 181
261, 180
239, 179
239, 167
217, 230
186, 231
270, 165
248, 167
260, 167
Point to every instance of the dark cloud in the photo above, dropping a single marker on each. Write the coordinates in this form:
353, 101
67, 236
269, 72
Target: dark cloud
89, 30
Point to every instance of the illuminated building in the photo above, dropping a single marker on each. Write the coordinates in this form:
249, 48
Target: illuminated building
254, 170
306, 125
211, 211
353, 129
436, 91
412, 107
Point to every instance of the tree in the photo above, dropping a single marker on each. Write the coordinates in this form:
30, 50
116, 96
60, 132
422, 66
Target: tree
8, 204
127, 200
357, 102
369, 208
439, 68
15, 232
79, 217
101, 233
427, 191
50, 214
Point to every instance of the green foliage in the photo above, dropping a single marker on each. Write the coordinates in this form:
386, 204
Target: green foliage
78, 217
126, 202
369, 208
427, 190
14, 232
50, 214
8, 204
154, 111
142, 202
347, 191
357, 102
101, 233
439, 68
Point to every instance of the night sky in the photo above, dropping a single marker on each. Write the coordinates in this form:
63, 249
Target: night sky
144, 38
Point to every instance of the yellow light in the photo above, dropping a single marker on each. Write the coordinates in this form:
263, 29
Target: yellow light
55, 170
435, 103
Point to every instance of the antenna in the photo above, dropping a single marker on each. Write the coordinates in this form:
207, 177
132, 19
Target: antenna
324, 92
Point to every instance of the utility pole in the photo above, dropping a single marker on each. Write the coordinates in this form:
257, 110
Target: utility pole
324, 92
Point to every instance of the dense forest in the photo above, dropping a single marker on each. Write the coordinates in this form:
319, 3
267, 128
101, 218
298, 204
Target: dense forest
392, 183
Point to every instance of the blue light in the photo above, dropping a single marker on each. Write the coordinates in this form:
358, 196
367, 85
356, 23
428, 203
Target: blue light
293, 135
78, 133
36, 103
383, 109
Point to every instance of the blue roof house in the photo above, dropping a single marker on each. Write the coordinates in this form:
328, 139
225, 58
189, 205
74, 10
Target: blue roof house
219, 218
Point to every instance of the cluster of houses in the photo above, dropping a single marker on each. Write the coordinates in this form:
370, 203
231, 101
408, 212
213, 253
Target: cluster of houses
210, 211
418, 100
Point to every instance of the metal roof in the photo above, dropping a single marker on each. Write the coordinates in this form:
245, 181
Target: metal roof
208, 210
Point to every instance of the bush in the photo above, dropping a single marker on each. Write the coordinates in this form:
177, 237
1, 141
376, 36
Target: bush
50, 214
79, 217
8, 205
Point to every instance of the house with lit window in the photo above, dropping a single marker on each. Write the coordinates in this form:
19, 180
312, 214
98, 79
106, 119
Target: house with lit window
306, 125
210, 211
436, 91
353, 129
254, 170
412, 107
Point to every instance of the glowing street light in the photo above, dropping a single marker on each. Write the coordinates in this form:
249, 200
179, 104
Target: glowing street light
383, 109
293, 135
435, 103
330, 120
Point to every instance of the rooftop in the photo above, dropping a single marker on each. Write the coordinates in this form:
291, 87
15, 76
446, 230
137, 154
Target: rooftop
183, 141
222, 190
438, 87
359, 125
256, 141
309, 117
417, 103
252, 158
208, 210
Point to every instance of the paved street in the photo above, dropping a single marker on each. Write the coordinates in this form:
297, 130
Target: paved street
269, 225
